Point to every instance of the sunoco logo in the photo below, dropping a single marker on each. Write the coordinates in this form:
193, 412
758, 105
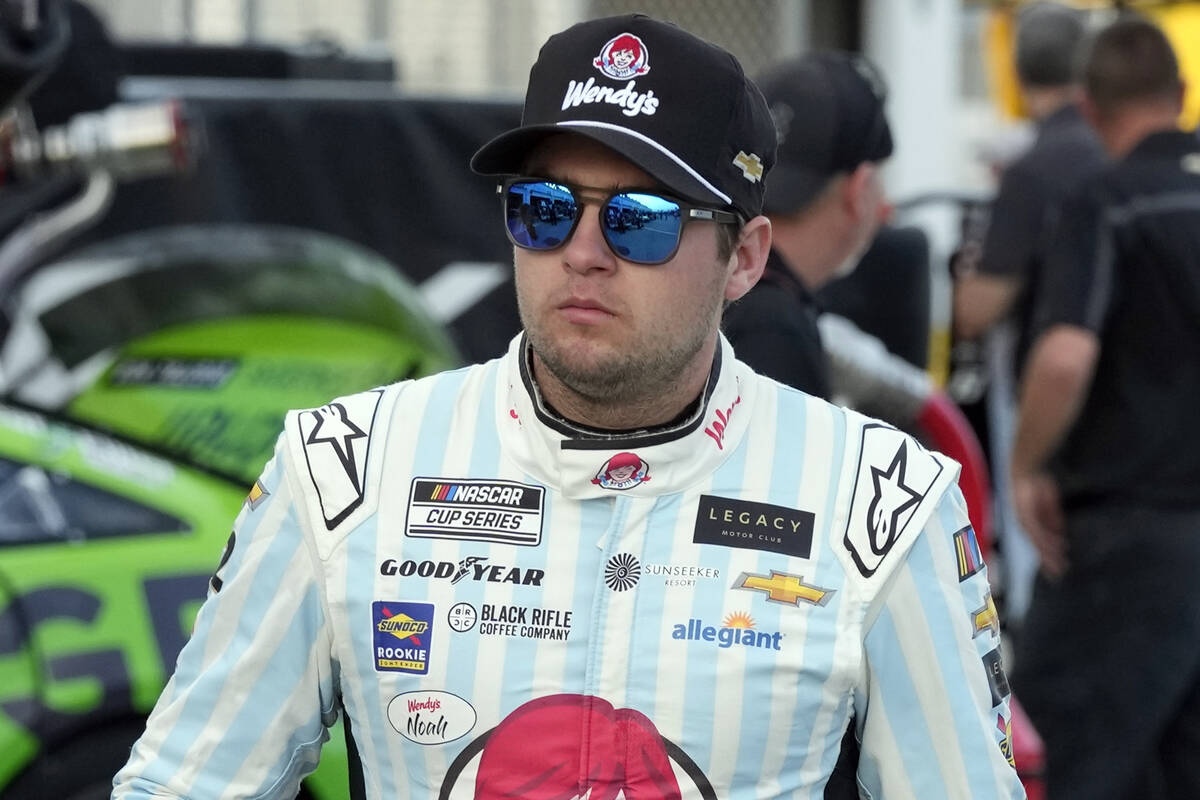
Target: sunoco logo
473, 568
402, 634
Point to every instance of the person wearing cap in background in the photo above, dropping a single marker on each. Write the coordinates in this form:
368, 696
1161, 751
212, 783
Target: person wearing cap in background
614, 561
825, 202
1106, 461
996, 281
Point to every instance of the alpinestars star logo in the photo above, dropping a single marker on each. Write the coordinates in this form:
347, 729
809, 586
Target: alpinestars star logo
334, 427
892, 498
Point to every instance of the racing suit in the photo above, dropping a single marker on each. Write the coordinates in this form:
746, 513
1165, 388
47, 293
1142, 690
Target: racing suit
506, 605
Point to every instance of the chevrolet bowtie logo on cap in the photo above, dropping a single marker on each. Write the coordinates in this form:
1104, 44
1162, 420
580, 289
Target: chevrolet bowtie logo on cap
784, 588
750, 165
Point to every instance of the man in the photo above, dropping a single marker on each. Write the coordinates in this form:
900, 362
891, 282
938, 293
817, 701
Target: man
614, 562
1106, 463
995, 286
825, 203
1003, 277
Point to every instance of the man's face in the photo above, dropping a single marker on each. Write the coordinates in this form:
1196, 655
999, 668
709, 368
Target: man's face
606, 328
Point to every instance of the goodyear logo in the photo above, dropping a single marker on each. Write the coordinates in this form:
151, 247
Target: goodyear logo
402, 633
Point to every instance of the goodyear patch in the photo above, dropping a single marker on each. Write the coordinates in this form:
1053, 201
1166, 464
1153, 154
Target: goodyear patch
504, 512
895, 474
401, 634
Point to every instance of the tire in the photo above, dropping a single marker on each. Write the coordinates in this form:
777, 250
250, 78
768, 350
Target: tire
81, 769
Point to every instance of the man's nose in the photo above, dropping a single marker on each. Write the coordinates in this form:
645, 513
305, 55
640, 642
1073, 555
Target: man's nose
587, 250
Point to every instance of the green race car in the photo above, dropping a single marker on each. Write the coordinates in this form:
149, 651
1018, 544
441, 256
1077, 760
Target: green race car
165, 365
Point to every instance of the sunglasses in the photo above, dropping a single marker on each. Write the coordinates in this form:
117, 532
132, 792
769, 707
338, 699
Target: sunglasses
639, 226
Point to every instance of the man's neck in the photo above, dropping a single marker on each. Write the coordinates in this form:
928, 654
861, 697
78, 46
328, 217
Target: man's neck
651, 406
1123, 132
1041, 102
812, 246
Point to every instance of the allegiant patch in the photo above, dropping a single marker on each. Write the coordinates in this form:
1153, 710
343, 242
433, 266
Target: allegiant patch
736, 629
402, 633
504, 512
753, 526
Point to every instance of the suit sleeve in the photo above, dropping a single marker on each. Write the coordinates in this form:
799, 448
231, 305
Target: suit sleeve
933, 701
248, 707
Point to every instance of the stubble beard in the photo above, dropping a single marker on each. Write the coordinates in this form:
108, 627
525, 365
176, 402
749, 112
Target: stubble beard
637, 375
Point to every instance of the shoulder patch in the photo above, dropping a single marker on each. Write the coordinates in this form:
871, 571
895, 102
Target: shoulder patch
336, 440
895, 475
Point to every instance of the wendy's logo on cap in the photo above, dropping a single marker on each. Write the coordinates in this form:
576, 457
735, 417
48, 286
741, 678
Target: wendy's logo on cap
622, 57
622, 471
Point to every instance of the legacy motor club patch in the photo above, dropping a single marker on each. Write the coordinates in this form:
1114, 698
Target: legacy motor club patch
894, 477
336, 439
504, 512
753, 526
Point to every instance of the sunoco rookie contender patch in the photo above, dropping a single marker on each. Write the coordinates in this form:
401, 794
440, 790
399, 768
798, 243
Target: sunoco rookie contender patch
402, 633
504, 512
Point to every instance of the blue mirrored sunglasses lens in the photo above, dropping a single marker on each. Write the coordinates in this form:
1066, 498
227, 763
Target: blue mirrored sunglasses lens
642, 227
539, 214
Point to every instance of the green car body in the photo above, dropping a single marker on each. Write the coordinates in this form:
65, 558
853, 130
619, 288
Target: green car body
115, 506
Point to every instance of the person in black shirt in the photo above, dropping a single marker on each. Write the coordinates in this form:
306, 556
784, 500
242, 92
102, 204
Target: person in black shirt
1065, 151
1106, 463
995, 285
825, 201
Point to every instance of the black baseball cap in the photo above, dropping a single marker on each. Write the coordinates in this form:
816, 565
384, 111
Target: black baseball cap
828, 113
673, 104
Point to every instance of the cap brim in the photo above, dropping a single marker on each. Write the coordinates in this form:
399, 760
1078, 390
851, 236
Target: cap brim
507, 154
791, 187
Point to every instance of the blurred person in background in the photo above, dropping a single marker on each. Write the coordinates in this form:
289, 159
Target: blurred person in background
996, 283
825, 201
1002, 278
1106, 462
614, 561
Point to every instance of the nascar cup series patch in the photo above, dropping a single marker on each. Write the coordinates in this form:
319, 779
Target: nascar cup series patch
504, 512
401, 633
894, 476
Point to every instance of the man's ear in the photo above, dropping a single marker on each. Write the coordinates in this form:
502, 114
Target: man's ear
856, 190
749, 257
